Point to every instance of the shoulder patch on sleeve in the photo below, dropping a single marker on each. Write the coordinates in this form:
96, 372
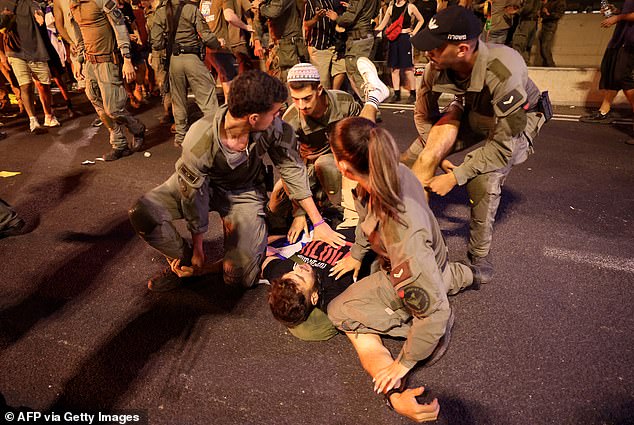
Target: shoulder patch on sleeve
400, 273
416, 299
499, 69
510, 101
189, 175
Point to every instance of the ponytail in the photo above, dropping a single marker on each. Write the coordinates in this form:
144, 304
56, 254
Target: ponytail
383, 164
371, 151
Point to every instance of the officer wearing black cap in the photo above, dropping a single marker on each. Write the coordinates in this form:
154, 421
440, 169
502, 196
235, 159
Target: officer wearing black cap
495, 103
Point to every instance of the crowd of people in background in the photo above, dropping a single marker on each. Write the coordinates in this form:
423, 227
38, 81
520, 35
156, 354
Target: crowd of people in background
40, 44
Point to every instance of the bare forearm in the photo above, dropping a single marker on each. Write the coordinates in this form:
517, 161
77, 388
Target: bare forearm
309, 206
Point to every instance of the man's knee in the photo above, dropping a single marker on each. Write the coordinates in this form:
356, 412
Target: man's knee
328, 175
484, 186
143, 217
241, 273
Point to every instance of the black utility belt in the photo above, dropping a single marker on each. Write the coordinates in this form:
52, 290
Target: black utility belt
185, 50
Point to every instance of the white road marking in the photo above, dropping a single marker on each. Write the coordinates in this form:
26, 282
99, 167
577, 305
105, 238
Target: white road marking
595, 260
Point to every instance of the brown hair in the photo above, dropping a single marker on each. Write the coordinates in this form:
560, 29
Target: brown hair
288, 303
371, 150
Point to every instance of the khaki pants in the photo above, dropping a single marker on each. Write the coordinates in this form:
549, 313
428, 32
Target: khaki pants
484, 189
327, 64
104, 89
354, 50
187, 70
371, 305
242, 214
324, 179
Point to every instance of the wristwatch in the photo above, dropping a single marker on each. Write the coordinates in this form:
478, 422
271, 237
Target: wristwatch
126, 55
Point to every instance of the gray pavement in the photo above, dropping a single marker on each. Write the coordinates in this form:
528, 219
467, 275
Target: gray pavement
549, 341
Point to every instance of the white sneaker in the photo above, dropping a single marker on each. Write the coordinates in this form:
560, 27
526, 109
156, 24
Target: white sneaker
51, 121
35, 126
374, 89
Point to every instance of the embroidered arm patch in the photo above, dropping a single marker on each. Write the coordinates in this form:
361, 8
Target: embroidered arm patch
416, 299
400, 273
510, 102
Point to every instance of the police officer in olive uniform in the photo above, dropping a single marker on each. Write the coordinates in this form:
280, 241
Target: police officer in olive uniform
221, 168
287, 46
357, 21
496, 103
102, 30
313, 114
552, 11
186, 69
407, 296
527, 28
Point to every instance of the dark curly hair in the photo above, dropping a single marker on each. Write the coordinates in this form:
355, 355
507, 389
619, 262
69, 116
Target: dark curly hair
288, 303
255, 92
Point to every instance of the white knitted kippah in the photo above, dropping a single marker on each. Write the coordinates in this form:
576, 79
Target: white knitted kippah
303, 72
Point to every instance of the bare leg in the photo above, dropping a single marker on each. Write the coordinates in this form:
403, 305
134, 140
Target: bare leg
608, 97
396, 78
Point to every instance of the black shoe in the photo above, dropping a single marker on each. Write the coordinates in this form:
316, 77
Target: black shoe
411, 99
443, 342
395, 98
599, 118
165, 281
115, 154
14, 229
137, 141
482, 270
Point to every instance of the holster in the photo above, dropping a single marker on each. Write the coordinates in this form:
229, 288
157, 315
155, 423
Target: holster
544, 106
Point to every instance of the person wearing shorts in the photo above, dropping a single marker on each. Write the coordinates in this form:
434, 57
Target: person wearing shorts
399, 57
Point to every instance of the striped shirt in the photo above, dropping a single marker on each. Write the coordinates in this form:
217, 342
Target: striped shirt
322, 35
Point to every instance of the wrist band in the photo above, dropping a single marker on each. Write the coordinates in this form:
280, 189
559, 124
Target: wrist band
389, 393
319, 223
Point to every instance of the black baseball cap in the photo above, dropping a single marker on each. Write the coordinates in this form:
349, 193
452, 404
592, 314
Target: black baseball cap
453, 24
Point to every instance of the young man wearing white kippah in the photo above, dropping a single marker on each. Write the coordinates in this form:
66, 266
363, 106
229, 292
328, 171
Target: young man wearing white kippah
314, 112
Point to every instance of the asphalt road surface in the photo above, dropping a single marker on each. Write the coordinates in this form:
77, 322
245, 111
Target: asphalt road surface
549, 341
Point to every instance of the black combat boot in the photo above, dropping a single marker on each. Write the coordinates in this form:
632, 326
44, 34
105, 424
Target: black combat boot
482, 270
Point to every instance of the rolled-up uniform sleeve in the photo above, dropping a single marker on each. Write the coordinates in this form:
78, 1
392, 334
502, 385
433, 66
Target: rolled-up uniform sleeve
426, 110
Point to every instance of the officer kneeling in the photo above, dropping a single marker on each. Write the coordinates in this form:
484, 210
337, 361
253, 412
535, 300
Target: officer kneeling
221, 169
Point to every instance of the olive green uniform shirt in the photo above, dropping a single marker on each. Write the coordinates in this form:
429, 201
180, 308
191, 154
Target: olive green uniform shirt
190, 32
195, 167
497, 96
312, 133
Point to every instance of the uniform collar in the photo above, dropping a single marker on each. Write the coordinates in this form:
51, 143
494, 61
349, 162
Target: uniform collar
444, 83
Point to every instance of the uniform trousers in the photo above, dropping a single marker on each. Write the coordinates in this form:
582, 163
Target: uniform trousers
323, 176
485, 189
242, 214
104, 89
524, 37
187, 70
354, 50
371, 305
